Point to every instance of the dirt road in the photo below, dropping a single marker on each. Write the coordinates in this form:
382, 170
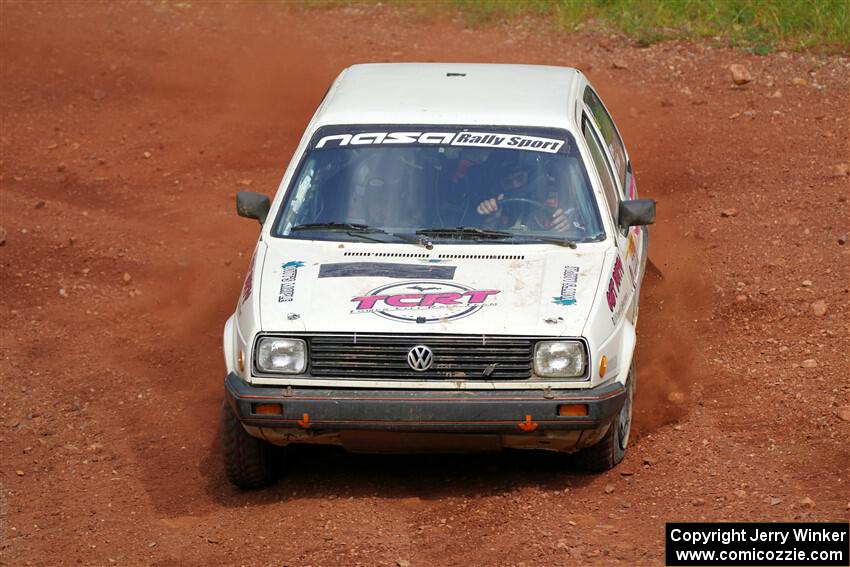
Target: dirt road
127, 130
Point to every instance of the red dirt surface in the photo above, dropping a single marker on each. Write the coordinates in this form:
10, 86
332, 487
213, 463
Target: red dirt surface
128, 128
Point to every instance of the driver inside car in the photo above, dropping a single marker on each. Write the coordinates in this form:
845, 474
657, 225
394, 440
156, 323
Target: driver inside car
528, 203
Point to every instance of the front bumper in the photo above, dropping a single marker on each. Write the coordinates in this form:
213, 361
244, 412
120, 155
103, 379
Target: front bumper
515, 412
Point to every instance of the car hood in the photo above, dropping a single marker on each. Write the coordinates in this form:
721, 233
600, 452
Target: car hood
527, 289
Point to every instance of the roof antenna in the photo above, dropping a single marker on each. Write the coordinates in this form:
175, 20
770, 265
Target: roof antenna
455, 74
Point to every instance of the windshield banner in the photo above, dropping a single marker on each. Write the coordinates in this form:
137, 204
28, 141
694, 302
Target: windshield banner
508, 140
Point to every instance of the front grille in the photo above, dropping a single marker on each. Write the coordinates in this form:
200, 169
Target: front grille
460, 357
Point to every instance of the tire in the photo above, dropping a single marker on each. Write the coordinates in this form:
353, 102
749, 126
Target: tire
248, 461
611, 449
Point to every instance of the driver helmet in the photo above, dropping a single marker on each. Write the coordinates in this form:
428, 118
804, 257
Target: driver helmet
513, 175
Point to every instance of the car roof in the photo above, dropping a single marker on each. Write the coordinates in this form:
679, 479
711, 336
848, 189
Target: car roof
451, 93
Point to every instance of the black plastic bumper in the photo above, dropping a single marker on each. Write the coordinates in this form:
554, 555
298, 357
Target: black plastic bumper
494, 411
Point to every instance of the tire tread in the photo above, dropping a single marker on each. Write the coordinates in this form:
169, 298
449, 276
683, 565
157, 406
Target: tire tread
600, 456
605, 454
248, 461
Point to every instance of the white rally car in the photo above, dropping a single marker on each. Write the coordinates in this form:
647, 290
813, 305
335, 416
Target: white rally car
452, 262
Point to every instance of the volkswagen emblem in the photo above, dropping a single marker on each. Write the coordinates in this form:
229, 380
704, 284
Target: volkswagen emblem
420, 358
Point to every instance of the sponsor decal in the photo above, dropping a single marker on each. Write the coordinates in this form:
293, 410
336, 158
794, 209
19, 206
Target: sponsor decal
614, 284
386, 270
248, 286
569, 283
615, 295
632, 246
424, 301
631, 254
287, 280
488, 140
470, 139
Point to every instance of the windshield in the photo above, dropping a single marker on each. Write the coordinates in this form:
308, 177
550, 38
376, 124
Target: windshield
494, 185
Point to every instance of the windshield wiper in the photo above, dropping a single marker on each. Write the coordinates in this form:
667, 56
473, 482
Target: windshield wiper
334, 226
547, 239
357, 229
470, 231
462, 231
418, 239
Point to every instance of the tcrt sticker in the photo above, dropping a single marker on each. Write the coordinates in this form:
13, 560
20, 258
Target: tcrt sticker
424, 301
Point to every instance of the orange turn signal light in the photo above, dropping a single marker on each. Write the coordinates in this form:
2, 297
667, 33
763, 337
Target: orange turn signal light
241, 362
603, 366
268, 409
572, 410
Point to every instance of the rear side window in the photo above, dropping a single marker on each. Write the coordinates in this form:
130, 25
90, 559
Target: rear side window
609, 132
602, 168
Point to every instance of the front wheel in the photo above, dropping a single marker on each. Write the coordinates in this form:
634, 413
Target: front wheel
248, 461
610, 450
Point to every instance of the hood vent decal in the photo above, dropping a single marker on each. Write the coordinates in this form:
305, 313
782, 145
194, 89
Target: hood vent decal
480, 257
440, 257
387, 254
386, 270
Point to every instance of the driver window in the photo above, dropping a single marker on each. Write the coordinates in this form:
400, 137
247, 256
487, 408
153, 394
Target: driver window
609, 132
602, 168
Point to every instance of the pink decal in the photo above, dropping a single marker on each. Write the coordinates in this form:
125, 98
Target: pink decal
399, 300
368, 301
447, 301
618, 272
248, 286
614, 284
442, 298
478, 296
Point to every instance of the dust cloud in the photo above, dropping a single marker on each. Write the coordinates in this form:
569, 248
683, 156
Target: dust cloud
675, 296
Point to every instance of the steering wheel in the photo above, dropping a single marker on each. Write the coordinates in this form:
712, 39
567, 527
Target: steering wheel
540, 217
522, 201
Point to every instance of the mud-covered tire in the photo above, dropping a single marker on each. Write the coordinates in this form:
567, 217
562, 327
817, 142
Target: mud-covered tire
248, 461
609, 451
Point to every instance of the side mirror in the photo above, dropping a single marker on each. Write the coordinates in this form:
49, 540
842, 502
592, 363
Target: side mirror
637, 212
252, 205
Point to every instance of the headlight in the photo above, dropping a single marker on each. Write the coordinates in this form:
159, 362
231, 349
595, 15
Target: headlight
559, 359
285, 356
